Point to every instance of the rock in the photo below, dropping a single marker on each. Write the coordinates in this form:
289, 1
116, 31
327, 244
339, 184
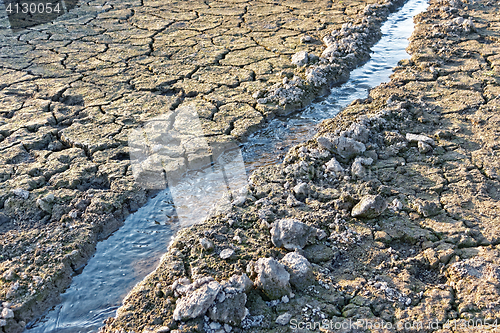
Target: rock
19, 192
46, 203
300, 269
291, 234
318, 253
272, 278
426, 208
283, 319
300, 58
369, 207
306, 39
197, 302
420, 138
206, 244
241, 283
325, 143
7, 313
3, 322
301, 190
358, 169
358, 132
334, 166
226, 254
230, 311
423, 147
347, 147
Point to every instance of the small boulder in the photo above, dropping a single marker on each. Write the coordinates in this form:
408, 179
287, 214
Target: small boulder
334, 166
283, 319
291, 234
420, 138
226, 254
369, 207
301, 190
300, 58
231, 310
348, 148
272, 278
7, 313
300, 269
196, 303
206, 244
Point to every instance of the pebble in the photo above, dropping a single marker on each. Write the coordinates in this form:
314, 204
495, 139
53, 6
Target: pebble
420, 138
226, 254
206, 244
369, 207
23, 194
284, 319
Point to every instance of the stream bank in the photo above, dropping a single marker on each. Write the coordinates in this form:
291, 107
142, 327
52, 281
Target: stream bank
392, 209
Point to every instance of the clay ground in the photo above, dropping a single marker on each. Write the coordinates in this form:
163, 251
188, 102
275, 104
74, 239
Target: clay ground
71, 90
431, 258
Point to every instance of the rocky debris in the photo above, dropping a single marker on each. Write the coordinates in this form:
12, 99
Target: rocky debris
301, 274
229, 308
197, 302
7, 313
270, 277
370, 206
23, 194
292, 234
358, 169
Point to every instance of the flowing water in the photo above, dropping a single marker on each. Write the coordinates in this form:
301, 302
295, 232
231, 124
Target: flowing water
133, 251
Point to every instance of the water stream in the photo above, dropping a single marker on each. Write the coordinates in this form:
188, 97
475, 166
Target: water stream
133, 251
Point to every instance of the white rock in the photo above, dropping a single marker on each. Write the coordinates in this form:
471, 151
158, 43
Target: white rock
347, 147
284, 319
206, 244
23, 194
197, 302
300, 269
301, 190
334, 166
226, 254
7, 313
272, 278
291, 234
300, 58
419, 137
369, 207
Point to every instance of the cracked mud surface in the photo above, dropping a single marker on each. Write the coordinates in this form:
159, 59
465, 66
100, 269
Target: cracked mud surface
431, 257
70, 91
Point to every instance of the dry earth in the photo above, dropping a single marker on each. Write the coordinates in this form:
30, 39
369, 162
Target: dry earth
426, 145
71, 90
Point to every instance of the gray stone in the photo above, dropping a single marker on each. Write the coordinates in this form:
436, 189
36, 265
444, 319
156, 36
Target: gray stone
334, 166
241, 283
206, 244
7, 313
23, 194
230, 311
420, 138
4, 219
325, 143
301, 190
369, 207
358, 169
283, 319
348, 148
300, 269
424, 147
226, 254
300, 58
197, 302
291, 234
3, 322
272, 278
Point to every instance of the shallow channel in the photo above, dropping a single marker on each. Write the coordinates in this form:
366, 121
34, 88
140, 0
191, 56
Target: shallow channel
132, 252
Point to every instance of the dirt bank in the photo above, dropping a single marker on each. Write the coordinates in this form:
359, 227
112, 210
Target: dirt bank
390, 213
